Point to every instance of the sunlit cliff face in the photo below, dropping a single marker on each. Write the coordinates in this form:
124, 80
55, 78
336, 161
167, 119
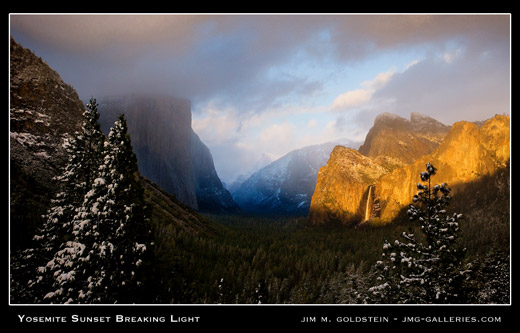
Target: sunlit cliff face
466, 154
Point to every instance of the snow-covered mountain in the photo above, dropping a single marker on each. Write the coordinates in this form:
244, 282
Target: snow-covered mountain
285, 186
263, 161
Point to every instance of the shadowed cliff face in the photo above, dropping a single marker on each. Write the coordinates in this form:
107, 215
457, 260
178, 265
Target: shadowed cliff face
466, 154
44, 112
209, 191
168, 151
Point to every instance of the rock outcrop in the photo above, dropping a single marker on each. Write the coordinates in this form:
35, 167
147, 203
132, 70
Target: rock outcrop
43, 112
394, 141
168, 152
342, 187
466, 154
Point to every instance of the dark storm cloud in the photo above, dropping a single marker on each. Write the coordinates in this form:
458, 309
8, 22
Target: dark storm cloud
202, 56
359, 35
185, 55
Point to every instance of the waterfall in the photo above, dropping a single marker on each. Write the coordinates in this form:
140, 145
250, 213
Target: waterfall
368, 208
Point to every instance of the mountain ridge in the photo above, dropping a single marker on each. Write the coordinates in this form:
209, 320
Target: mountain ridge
395, 141
44, 112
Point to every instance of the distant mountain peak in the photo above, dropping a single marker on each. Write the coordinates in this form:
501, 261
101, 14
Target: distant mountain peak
416, 122
284, 186
388, 117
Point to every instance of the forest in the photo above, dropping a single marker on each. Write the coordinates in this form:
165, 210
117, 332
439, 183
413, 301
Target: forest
285, 260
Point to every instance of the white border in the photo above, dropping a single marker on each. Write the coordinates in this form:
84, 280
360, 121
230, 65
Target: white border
268, 14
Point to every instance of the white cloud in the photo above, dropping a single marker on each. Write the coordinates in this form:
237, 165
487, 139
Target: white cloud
352, 98
450, 56
359, 97
217, 126
379, 81
312, 123
411, 64
280, 138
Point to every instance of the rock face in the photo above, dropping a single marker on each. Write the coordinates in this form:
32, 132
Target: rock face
394, 141
209, 190
285, 186
342, 187
466, 154
44, 111
168, 151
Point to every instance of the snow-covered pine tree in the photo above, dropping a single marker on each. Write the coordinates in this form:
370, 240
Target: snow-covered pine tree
429, 270
112, 225
124, 219
30, 274
106, 241
85, 152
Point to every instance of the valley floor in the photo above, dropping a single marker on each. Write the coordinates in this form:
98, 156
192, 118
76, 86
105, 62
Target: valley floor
285, 260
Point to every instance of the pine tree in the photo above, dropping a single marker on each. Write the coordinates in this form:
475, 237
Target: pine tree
29, 268
261, 294
429, 270
95, 239
112, 226
124, 216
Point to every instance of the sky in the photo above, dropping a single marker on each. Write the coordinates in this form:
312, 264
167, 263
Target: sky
262, 85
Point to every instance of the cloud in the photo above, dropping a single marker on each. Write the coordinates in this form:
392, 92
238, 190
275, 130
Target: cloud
455, 86
452, 55
218, 126
92, 34
201, 55
264, 83
312, 123
352, 98
359, 97
365, 35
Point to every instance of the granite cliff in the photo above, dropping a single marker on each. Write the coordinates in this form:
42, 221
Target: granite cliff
168, 151
394, 141
342, 187
465, 154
